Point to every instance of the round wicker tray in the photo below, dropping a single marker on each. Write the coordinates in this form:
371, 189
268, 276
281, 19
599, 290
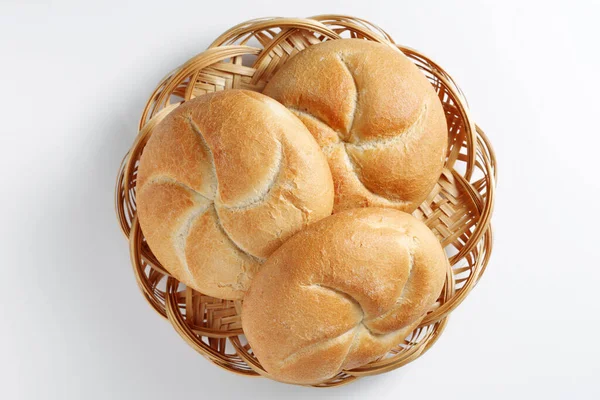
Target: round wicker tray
458, 210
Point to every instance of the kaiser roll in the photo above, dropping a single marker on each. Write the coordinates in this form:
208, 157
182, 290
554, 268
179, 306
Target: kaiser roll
225, 179
374, 114
341, 293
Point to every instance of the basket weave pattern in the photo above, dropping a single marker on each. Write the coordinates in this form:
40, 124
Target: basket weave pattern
458, 210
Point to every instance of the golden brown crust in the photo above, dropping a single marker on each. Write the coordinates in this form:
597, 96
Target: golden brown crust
223, 181
341, 293
376, 117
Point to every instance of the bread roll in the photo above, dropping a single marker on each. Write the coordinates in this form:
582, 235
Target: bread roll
376, 117
224, 179
341, 293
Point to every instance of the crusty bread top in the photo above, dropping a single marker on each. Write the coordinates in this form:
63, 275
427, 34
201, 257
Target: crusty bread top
223, 181
341, 293
376, 117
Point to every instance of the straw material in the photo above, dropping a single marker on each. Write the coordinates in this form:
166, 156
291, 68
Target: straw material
458, 210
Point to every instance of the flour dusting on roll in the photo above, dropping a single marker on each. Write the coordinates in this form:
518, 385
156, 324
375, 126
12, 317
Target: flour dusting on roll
374, 114
224, 180
341, 293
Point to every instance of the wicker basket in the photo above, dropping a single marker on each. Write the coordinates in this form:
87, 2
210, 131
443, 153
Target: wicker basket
458, 210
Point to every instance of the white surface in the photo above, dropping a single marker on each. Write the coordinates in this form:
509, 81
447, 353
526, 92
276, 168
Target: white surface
74, 78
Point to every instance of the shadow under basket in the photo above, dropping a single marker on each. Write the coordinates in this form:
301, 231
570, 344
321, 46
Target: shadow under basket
458, 210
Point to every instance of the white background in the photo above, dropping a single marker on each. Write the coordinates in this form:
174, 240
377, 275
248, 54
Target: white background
74, 78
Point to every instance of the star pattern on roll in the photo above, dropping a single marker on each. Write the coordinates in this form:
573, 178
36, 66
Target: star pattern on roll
341, 293
223, 181
374, 114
